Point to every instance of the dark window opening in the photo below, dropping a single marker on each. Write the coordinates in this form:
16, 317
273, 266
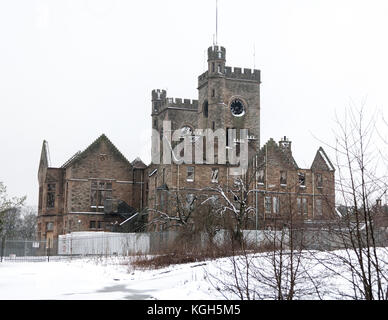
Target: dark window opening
283, 177
51, 195
206, 109
302, 179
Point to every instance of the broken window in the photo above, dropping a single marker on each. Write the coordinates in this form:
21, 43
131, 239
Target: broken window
215, 175
283, 178
190, 174
319, 180
260, 176
100, 191
51, 195
302, 179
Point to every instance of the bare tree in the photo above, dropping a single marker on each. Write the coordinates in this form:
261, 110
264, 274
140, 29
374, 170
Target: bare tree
8, 209
361, 184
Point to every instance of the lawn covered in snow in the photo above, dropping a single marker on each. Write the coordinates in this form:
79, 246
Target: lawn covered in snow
114, 278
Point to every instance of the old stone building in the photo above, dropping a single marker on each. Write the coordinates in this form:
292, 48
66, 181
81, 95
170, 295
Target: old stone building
95, 190
229, 100
286, 191
196, 144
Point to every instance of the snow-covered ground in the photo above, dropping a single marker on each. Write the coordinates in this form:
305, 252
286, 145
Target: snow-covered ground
115, 279
94, 279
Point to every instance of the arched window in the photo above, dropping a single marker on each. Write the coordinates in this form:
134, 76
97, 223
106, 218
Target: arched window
206, 109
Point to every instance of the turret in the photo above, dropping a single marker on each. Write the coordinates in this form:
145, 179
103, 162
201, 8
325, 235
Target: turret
158, 99
216, 60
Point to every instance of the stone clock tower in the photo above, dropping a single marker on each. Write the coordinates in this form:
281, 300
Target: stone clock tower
229, 98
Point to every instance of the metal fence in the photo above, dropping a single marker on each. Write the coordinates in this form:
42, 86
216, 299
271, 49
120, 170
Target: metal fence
78, 244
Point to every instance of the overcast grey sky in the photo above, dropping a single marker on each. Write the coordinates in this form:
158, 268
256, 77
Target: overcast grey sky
72, 70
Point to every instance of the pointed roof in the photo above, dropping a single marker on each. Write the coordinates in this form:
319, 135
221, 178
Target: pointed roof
79, 155
44, 157
138, 164
322, 161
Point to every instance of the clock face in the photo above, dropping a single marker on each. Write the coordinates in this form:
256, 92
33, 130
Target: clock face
237, 107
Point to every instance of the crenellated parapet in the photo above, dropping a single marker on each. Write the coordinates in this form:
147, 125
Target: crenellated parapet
233, 73
242, 74
161, 102
181, 103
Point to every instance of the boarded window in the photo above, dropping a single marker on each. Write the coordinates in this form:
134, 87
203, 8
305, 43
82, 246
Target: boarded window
190, 174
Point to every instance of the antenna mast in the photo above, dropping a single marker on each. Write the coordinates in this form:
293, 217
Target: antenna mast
216, 22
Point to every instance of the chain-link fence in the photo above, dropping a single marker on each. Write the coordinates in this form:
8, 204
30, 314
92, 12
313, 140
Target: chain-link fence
27, 250
78, 244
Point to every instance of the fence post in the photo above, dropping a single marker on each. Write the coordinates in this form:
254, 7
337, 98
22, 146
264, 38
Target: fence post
2, 248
